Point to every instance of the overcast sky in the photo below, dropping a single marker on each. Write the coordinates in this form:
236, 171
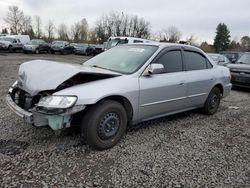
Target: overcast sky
191, 17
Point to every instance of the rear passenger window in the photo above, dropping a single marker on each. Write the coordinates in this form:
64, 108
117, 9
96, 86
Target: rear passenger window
172, 61
195, 61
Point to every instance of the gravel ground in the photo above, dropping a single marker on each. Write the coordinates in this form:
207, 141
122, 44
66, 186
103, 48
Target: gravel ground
185, 150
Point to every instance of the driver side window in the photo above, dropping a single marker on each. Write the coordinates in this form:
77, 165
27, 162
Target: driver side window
172, 61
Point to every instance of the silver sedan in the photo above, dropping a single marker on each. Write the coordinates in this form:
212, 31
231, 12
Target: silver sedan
118, 88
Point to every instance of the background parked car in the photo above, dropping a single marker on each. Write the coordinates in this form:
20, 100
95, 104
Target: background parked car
36, 46
10, 43
219, 59
240, 71
232, 56
83, 49
62, 47
98, 48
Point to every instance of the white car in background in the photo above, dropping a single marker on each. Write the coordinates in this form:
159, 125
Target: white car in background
114, 41
13, 42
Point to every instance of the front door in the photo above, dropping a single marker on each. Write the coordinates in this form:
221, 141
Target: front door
165, 92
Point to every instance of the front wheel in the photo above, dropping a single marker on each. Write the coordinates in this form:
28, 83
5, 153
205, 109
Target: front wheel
104, 124
213, 101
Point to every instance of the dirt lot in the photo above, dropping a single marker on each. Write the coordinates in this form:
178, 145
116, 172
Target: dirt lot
185, 150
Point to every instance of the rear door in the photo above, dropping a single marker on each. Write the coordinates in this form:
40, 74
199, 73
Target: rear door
199, 77
165, 92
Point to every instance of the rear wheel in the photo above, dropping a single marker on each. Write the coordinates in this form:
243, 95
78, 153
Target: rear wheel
213, 101
104, 124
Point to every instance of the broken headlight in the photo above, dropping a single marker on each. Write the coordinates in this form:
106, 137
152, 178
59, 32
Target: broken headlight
54, 101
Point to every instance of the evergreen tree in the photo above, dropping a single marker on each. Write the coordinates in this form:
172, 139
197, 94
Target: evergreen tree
222, 38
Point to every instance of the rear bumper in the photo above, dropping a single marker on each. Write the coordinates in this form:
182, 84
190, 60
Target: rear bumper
27, 116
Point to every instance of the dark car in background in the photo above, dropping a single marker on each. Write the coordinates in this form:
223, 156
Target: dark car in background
219, 59
36, 46
62, 47
232, 55
83, 49
98, 48
240, 71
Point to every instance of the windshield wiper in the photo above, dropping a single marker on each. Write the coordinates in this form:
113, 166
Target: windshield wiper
96, 66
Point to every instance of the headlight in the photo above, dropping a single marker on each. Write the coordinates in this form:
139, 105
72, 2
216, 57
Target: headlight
54, 101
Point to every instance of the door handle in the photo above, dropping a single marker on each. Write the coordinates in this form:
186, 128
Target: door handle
182, 83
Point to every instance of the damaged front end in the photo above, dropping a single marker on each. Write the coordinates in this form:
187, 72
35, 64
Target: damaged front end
32, 96
43, 109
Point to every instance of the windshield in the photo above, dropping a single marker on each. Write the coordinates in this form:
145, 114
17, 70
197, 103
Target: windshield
214, 57
123, 59
7, 39
245, 59
113, 42
35, 42
58, 43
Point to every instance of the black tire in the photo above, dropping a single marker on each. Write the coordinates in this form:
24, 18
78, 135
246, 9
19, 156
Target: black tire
64, 52
10, 49
37, 51
104, 124
52, 52
213, 101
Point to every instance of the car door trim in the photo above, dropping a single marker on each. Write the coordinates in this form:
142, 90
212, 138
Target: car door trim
174, 99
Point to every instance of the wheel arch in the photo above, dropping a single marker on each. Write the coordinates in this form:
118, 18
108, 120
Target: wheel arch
220, 87
124, 102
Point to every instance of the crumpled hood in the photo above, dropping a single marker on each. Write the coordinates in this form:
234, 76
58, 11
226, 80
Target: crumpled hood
41, 75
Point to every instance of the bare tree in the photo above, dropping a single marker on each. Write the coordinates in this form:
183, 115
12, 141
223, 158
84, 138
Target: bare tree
192, 40
84, 30
50, 27
172, 34
116, 24
26, 25
245, 42
38, 26
62, 32
207, 48
14, 19
75, 32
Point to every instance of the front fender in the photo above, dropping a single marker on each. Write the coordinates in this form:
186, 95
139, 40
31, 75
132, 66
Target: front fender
92, 92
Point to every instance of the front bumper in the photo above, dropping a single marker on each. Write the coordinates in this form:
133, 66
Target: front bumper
29, 50
27, 116
56, 121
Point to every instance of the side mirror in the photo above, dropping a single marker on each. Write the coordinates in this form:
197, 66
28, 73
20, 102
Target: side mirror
15, 41
155, 69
